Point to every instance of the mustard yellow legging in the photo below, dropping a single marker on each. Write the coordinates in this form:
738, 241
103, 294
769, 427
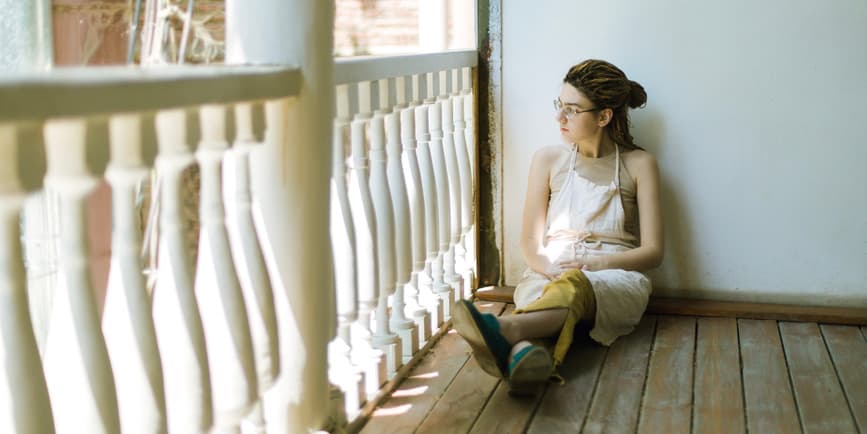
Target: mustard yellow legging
573, 291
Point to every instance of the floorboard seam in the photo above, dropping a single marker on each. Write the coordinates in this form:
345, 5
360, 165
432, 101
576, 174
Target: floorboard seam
595, 389
445, 390
646, 372
837, 374
694, 368
741, 375
789, 376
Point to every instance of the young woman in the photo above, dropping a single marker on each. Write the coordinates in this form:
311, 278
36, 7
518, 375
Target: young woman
585, 203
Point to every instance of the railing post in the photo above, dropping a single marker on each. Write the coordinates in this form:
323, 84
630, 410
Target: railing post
77, 368
177, 321
341, 369
218, 291
409, 163
383, 338
366, 253
404, 327
466, 190
470, 136
127, 321
249, 258
24, 402
427, 297
454, 188
441, 186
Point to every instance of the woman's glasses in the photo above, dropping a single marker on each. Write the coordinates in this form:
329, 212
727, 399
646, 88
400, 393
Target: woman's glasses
568, 110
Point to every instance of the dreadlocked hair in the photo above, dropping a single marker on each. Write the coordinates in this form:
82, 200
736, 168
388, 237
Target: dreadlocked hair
607, 87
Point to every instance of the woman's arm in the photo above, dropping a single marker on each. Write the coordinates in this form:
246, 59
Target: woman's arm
649, 254
536, 210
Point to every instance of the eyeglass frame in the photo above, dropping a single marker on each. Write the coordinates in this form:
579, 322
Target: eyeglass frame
561, 108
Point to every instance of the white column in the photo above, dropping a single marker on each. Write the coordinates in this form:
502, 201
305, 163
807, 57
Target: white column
249, 259
77, 369
290, 186
127, 321
466, 193
470, 135
176, 315
218, 292
24, 404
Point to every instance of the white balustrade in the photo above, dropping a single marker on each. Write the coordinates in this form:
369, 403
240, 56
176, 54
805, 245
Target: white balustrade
427, 296
470, 136
367, 273
24, 403
454, 190
441, 187
417, 214
127, 322
77, 368
466, 192
177, 321
383, 338
218, 291
249, 258
399, 323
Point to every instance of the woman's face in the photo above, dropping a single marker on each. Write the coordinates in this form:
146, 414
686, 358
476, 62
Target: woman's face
576, 124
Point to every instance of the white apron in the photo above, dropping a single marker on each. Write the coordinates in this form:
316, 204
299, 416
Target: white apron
586, 219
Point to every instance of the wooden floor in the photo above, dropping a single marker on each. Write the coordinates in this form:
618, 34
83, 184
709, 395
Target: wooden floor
674, 374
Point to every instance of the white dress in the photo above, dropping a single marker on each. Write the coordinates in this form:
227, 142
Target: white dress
587, 219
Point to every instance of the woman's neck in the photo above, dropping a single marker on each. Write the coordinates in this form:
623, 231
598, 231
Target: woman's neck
596, 148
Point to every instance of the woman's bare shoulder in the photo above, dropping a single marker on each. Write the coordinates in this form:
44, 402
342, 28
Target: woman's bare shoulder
639, 162
548, 155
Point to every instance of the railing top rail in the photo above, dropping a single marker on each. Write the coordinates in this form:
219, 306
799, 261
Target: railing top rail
73, 92
369, 68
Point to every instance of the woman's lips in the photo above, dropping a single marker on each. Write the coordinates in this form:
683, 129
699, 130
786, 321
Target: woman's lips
564, 130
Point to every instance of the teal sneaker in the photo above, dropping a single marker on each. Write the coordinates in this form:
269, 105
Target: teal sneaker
482, 332
529, 368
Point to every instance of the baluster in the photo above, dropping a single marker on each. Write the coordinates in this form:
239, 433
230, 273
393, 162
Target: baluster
177, 321
77, 368
383, 339
24, 402
441, 187
218, 291
466, 193
454, 189
341, 369
249, 259
427, 296
364, 224
409, 163
470, 135
404, 327
127, 321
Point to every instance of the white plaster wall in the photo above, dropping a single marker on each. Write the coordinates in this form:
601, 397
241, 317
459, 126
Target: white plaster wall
757, 113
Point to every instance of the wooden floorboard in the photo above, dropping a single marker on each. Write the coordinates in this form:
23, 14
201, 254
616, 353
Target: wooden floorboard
410, 403
617, 400
768, 398
459, 406
667, 403
672, 374
848, 350
718, 405
564, 407
821, 403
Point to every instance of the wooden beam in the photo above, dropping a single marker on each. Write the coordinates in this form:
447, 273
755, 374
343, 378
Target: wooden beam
713, 308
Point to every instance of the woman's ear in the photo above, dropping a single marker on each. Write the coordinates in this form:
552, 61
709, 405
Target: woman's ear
605, 116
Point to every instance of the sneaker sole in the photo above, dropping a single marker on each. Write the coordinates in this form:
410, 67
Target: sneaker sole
531, 372
463, 323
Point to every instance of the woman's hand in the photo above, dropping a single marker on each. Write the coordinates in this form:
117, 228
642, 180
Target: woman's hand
588, 263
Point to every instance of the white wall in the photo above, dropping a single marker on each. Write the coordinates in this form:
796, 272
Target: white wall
757, 113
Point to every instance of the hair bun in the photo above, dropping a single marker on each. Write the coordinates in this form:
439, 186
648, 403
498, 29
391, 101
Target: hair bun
637, 95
